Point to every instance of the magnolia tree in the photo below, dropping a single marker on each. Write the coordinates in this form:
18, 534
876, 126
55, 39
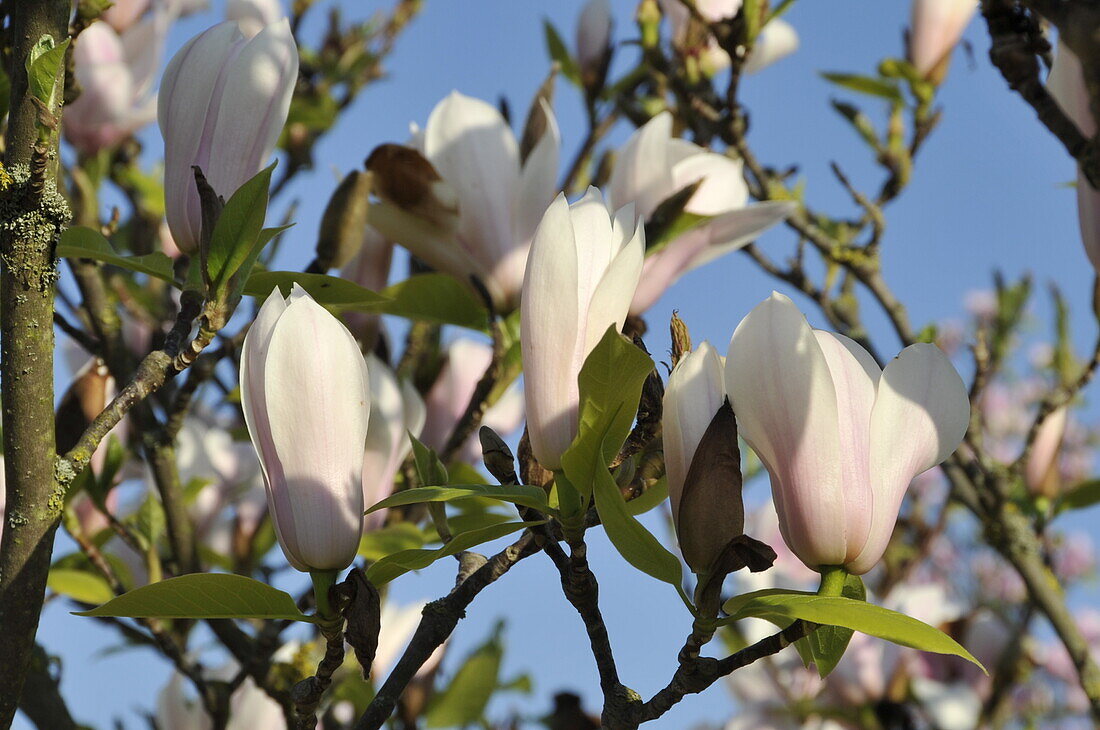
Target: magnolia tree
372, 423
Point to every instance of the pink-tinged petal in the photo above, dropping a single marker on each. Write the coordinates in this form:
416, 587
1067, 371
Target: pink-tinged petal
549, 322
255, 102
448, 397
732, 231
318, 399
1066, 83
694, 393
921, 414
1041, 472
190, 94
776, 41
472, 148
123, 13
781, 389
396, 410
641, 175
937, 26
855, 377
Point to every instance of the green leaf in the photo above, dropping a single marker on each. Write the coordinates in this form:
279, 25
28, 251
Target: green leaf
82, 242
559, 52
781, 607
327, 290
464, 700
43, 66
882, 88
635, 543
397, 564
203, 595
429, 469
1081, 496
610, 387
79, 585
436, 298
528, 496
390, 539
238, 228
828, 643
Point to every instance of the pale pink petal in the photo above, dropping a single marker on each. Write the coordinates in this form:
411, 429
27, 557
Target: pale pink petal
641, 174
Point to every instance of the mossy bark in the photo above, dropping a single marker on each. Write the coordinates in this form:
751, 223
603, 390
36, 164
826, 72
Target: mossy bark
31, 218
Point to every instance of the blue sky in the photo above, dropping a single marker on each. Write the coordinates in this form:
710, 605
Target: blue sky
988, 192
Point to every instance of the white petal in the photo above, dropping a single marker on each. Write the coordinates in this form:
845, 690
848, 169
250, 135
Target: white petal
472, 147
921, 414
777, 40
641, 174
779, 384
549, 317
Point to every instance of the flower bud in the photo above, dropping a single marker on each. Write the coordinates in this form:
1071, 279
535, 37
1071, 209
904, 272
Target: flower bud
694, 42
582, 273
252, 16
937, 26
344, 222
223, 102
840, 438
594, 41
701, 459
124, 13
1042, 472
305, 392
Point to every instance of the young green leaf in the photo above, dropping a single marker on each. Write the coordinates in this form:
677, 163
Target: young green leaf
82, 242
397, 564
464, 700
781, 607
829, 643
237, 229
633, 541
43, 65
80, 585
203, 595
882, 88
559, 52
390, 539
522, 494
1085, 494
610, 388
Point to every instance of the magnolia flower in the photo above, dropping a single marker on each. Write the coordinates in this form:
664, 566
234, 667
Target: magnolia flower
776, 41
305, 392
1042, 472
116, 76
593, 38
124, 13
253, 15
653, 166
467, 360
1067, 84
398, 624
584, 268
500, 197
937, 26
249, 707
222, 105
840, 438
396, 411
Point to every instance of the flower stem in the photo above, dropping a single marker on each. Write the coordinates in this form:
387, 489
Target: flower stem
833, 578
322, 581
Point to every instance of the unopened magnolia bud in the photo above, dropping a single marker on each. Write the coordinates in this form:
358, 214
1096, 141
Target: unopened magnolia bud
681, 338
539, 117
594, 42
1041, 473
649, 23
497, 456
936, 28
404, 178
710, 512
344, 222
